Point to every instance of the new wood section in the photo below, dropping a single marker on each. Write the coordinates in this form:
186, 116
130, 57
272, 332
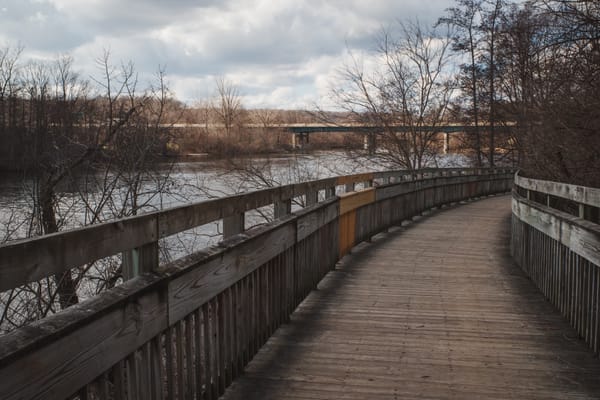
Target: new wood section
435, 310
343, 180
354, 200
347, 232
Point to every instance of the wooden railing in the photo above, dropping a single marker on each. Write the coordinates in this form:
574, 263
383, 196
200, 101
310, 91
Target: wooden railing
187, 329
556, 241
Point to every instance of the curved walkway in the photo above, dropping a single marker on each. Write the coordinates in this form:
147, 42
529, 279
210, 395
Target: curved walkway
434, 310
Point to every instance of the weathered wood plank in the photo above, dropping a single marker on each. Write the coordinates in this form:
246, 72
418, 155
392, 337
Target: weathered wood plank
437, 310
205, 278
580, 236
311, 220
580, 194
94, 343
260, 255
34, 259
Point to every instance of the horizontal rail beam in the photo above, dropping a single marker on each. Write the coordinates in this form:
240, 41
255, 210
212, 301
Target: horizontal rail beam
207, 314
33, 259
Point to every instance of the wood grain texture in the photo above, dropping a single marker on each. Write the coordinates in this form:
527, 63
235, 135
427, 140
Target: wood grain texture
205, 280
580, 236
436, 310
580, 194
354, 200
33, 259
59, 368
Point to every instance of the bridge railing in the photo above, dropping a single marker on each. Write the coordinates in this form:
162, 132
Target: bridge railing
188, 328
556, 241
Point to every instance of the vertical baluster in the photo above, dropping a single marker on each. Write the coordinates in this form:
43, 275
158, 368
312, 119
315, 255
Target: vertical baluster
208, 382
221, 344
157, 375
189, 357
170, 369
199, 364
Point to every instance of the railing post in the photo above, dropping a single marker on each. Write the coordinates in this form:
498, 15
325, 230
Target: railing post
139, 260
330, 192
233, 224
282, 208
312, 197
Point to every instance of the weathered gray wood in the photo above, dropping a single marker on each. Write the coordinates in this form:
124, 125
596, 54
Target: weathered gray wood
312, 197
580, 236
140, 260
294, 252
92, 337
310, 221
233, 224
34, 259
282, 207
208, 353
580, 194
206, 277
437, 311
560, 253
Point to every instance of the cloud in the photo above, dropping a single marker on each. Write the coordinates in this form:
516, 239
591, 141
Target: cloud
280, 53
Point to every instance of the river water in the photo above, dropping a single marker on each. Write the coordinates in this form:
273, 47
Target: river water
86, 199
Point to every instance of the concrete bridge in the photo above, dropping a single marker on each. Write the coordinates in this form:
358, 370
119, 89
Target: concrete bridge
432, 284
301, 132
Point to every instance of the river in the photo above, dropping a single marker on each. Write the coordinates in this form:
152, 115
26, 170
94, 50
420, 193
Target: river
98, 197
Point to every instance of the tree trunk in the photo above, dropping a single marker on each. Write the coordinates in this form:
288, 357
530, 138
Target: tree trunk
65, 285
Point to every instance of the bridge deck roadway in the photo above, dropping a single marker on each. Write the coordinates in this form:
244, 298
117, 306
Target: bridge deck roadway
434, 310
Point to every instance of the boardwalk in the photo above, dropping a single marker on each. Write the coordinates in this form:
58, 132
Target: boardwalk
433, 310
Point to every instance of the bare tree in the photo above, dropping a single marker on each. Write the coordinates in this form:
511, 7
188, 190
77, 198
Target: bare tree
105, 145
490, 27
227, 107
407, 95
550, 72
465, 18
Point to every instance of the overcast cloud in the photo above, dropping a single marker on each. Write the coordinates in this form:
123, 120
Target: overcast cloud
280, 53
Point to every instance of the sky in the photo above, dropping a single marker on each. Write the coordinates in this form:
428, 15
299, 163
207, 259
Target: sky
279, 53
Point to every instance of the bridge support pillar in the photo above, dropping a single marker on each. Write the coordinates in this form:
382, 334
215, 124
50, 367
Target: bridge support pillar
299, 140
446, 142
370, 142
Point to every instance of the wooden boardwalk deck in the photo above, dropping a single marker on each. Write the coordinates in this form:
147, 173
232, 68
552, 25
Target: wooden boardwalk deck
433, 310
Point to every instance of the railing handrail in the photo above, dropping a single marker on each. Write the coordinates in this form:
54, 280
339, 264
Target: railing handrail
580, 194
225, 300
558, 247
29, 260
